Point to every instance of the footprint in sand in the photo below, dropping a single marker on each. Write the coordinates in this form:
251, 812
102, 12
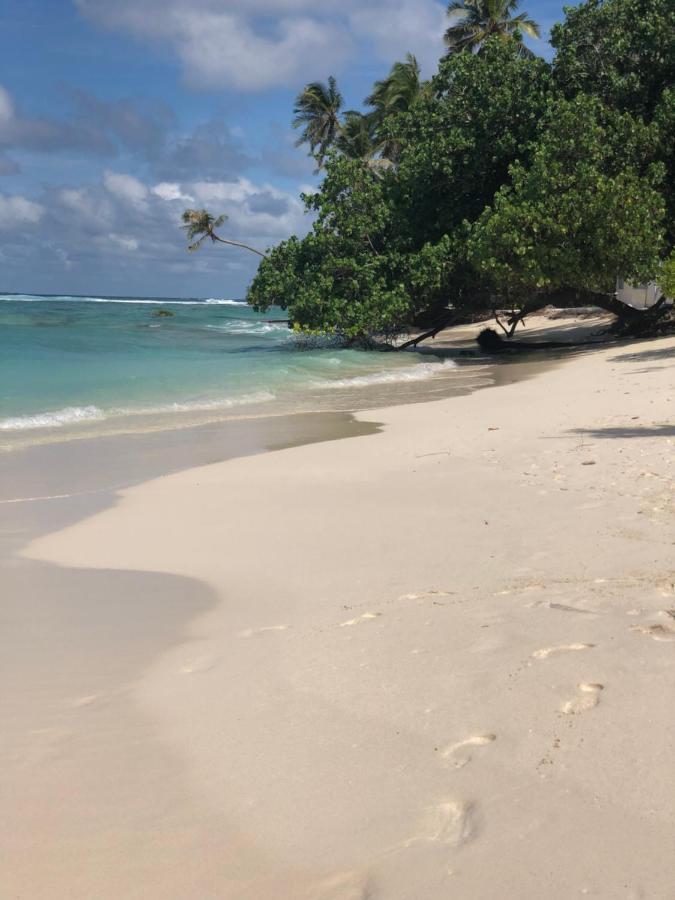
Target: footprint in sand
545, 652
364, 618
198, 664
421, 595
454, 823
344, 886
251, 632
450, 822
459, 754
657, 632
587, 698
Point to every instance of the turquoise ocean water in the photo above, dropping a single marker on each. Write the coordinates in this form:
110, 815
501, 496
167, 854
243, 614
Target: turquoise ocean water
81, 365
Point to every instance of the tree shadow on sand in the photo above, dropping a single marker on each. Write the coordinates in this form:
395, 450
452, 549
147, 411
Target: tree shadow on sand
637, 431
645, 355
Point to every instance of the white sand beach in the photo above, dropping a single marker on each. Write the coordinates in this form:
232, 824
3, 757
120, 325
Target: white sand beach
436, 661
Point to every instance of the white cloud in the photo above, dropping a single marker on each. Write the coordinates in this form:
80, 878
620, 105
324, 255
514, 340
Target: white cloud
123, 241
169, 190
126, 188
18, 210
406, 26
91, 207
257, 44
94, 226
260, 213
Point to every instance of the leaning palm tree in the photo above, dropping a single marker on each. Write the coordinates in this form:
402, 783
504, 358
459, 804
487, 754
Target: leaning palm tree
200, 225
317, 112
478, 20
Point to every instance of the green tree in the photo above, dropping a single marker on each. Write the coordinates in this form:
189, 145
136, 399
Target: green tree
587, 209
347, 278
317, 111
477, 20
623, 52
480, 117
666, 277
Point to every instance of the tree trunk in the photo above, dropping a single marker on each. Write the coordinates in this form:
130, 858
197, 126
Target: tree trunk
442, 323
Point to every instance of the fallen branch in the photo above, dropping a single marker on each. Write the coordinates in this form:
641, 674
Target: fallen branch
442, 323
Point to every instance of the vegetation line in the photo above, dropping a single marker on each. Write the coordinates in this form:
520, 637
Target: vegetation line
504, 181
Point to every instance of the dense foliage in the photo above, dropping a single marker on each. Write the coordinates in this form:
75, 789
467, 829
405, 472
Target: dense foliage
505, 179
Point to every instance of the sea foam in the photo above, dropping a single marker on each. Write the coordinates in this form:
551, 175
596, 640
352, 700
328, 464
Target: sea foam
34, 298
419, 372
55, 419
72, 415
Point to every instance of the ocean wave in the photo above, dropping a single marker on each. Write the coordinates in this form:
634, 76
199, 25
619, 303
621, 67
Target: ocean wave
55, 419
250, 326
219, 302
72, 415
37, 298
419, 372
196, 405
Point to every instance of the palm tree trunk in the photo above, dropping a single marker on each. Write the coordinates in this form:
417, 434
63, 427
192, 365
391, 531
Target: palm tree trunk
214, 237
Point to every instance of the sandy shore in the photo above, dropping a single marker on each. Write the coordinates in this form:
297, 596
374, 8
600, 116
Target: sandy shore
436, 661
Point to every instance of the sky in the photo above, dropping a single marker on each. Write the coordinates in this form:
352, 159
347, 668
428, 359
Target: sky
116, 116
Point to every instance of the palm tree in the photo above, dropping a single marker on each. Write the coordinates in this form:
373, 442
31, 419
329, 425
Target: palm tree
317, 112
398, 91
479, 19
395, 94
357, 138
200, 224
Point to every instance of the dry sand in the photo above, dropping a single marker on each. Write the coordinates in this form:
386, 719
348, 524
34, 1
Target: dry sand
434, 662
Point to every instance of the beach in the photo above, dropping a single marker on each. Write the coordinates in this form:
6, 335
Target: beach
432, 658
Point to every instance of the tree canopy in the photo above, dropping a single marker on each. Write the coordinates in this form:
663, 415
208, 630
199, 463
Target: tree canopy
477, 20
504, 179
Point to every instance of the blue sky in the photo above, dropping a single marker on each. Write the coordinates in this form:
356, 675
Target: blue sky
115, 116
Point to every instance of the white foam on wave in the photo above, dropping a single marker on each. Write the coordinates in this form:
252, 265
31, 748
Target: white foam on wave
220, 302
72, 415
250, 326
196, 405
36, 298
419, 372
55, 419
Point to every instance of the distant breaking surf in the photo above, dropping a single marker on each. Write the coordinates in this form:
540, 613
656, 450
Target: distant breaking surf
34, 298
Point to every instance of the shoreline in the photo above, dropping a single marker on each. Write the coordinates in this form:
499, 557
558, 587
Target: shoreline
337, 781
471, 370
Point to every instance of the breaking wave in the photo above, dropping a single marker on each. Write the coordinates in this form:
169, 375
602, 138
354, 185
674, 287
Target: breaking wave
419, 372
72, 415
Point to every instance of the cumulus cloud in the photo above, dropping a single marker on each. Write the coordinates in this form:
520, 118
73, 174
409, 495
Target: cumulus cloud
89, 206
407, 25
123, 241
257, 44
127, 228
16, 211
126, 188
167, 190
